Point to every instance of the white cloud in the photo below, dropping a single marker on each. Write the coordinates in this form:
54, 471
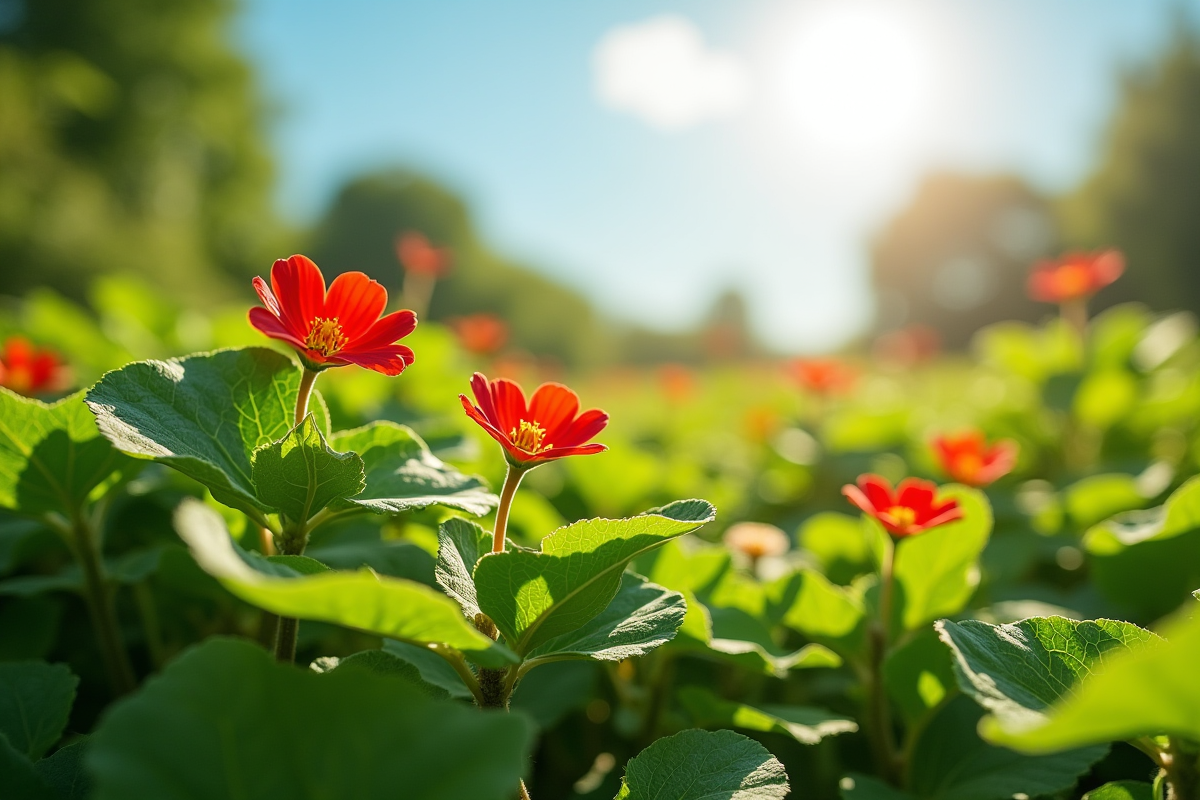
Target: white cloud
662, 71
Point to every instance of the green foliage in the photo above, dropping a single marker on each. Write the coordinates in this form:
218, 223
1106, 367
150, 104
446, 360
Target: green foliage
300, 475
376, 733
1122, 790
694, 765
805, 725
534, 596
390, 607
52, 457
35, 701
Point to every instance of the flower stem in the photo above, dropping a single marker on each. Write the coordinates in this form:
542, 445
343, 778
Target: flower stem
307, 379
292, 543
879, 717
98, 595
512, 480
1074, 313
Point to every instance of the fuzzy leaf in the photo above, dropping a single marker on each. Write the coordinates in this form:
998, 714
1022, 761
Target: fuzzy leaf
392, 607
460, 546
703, 765
52, 457
640, 618
402, 475
300, 475
534, 596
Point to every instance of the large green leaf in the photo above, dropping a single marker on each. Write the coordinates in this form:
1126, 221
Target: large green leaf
64, 772
392, 607
1180, 514
919, 674
52, 457
204, 415
460, 546
432, 668
1122, 790
704, 765
1150, 690
951, 762
821, 610
640, 618
534, 596
300, 475
229, 722
20, 779
1016, 671
402, 475
805, 725
937, 571
35, 701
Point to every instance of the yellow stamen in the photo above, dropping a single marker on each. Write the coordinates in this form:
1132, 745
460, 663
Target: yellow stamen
325, 336
529, 437
903, 515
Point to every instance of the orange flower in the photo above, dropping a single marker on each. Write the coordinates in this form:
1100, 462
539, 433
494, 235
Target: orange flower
756, 539
481, 334
334, 328
1075, 276
548, 427
967, 458
912, 507
676, 382
417, 255
30, 370
823, 376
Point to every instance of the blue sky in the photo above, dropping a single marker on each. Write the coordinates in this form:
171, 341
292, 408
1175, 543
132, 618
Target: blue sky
504, 101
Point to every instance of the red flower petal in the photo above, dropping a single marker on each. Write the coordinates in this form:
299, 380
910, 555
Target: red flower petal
877, 491
386, 330
391, 360
856, 496
578, 450
553, 406
510, 406
300, 289
585, 426
356, 301
483, 397
266, 295
273, 326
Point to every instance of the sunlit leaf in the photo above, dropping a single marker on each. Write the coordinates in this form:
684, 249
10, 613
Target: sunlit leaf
300, 475
699, 765
805, 725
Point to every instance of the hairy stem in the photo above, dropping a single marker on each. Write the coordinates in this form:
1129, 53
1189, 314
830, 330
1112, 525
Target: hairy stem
97, 593
1181, 771
879, 716
512, 479
292, 543
307, 379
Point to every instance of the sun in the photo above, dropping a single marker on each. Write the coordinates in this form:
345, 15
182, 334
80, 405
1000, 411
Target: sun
857, 77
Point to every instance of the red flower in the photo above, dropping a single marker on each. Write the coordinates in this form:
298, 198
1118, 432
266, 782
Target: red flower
823, 375
481, 334
912, 507
967, 458
334, 328
417, 255
1075, 276
548, 427
30, 370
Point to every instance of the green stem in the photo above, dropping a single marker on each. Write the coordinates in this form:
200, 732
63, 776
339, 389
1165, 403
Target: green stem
512, 479
148, 610
307, 379
292, 543
1074, 313
1181, 771
98, 595
879, 716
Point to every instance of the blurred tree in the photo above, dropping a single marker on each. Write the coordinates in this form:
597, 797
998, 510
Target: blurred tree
359, 232
956, 258
130, 141
1144, 195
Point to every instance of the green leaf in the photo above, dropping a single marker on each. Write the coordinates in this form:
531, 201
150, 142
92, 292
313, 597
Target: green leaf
35, 701
838, 543
381, 662
1122, 790
223, 712
1105, 397
805, 725
1016, 671
1149, 691
1098, 497
384, 606
127, 569
64, 772
21, 780
52, 457
856, 786
534, 596
433, 669
203, 415
642, 617
937, 571
951, 762
821, 610
704, 765
300, 475
919, 674
1180, 514
460, 546
402, 475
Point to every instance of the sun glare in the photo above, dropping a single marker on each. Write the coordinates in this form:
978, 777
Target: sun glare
857, 78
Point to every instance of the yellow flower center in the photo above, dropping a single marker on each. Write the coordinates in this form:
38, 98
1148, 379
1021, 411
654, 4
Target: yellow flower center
528, 436
1074, 280
969, 466
325, 336
903, 515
